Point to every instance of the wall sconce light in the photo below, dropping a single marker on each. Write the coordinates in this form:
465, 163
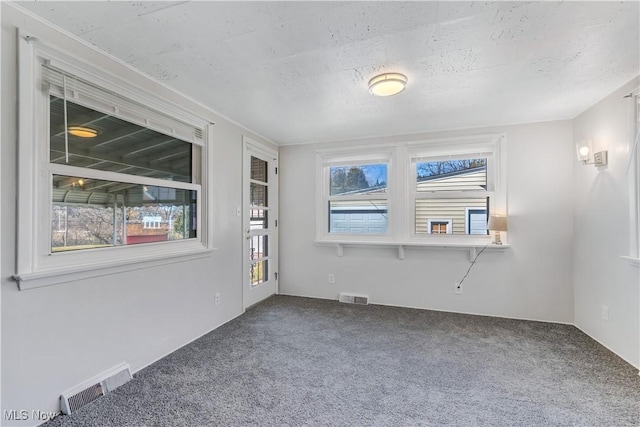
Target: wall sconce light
586, 156
497, 223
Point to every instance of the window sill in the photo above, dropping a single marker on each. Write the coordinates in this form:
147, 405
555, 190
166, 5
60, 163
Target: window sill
471, 247
632, 260
54, 277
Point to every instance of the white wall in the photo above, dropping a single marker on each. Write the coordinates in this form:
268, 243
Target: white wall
602, 229
530, 280
55, 337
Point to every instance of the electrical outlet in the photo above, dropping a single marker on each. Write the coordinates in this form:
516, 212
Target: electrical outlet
216, 299
605, 312
457, 288
332, 279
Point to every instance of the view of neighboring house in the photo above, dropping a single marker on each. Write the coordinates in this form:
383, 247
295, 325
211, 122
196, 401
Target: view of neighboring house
437, 211
150, 229
465, 215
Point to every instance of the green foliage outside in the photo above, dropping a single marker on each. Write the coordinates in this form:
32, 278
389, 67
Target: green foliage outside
344, 181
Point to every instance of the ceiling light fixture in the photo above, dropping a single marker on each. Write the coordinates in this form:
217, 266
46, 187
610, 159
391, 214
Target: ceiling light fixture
387, 84
82, 131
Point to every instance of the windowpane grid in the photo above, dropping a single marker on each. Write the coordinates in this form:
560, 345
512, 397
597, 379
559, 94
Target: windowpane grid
258, 195
258, 273
259, 170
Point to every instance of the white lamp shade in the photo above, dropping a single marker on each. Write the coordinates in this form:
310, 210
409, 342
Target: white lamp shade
497, 223
584, 150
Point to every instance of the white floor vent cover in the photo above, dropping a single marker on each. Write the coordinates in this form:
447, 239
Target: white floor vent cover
354, 299
85, 393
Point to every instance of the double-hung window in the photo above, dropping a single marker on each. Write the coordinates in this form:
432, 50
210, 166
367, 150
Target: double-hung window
109, 174
354, 195
453, 187
429, 192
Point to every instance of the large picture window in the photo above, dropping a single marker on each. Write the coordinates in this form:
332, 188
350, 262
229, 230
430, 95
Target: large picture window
118, 174
98, 211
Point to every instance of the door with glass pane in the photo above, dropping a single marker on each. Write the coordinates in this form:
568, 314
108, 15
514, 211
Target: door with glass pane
260, 223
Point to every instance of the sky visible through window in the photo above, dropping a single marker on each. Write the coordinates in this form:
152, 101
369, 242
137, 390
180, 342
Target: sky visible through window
350, 179
425, 169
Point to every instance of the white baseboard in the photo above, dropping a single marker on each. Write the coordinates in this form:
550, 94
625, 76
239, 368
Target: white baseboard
609, 348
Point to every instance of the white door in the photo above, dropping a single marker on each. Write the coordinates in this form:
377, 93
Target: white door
260, 219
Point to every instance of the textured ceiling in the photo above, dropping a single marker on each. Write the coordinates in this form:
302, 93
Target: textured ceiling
297, 72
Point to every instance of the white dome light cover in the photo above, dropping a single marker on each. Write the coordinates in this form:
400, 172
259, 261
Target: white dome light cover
387, 84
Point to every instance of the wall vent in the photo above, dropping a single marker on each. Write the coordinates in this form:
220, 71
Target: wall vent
88, 391
354, 299
74, 402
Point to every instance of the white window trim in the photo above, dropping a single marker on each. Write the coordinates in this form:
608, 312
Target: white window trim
36, 265
456, 148
401, 226
634, 183
447, 221
349, 156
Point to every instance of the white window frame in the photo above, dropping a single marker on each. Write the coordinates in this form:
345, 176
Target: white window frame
37, 265
633, 171
325, 159
490, 147
447, 221
401, 192
151, 223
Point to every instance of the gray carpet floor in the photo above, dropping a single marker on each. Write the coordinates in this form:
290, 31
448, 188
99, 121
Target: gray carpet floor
303, 362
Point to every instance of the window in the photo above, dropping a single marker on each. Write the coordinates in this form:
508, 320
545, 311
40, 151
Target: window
452, 187
439, 226
354, 194
444, 187
152, 222
633, 171
258, 221
113, 168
